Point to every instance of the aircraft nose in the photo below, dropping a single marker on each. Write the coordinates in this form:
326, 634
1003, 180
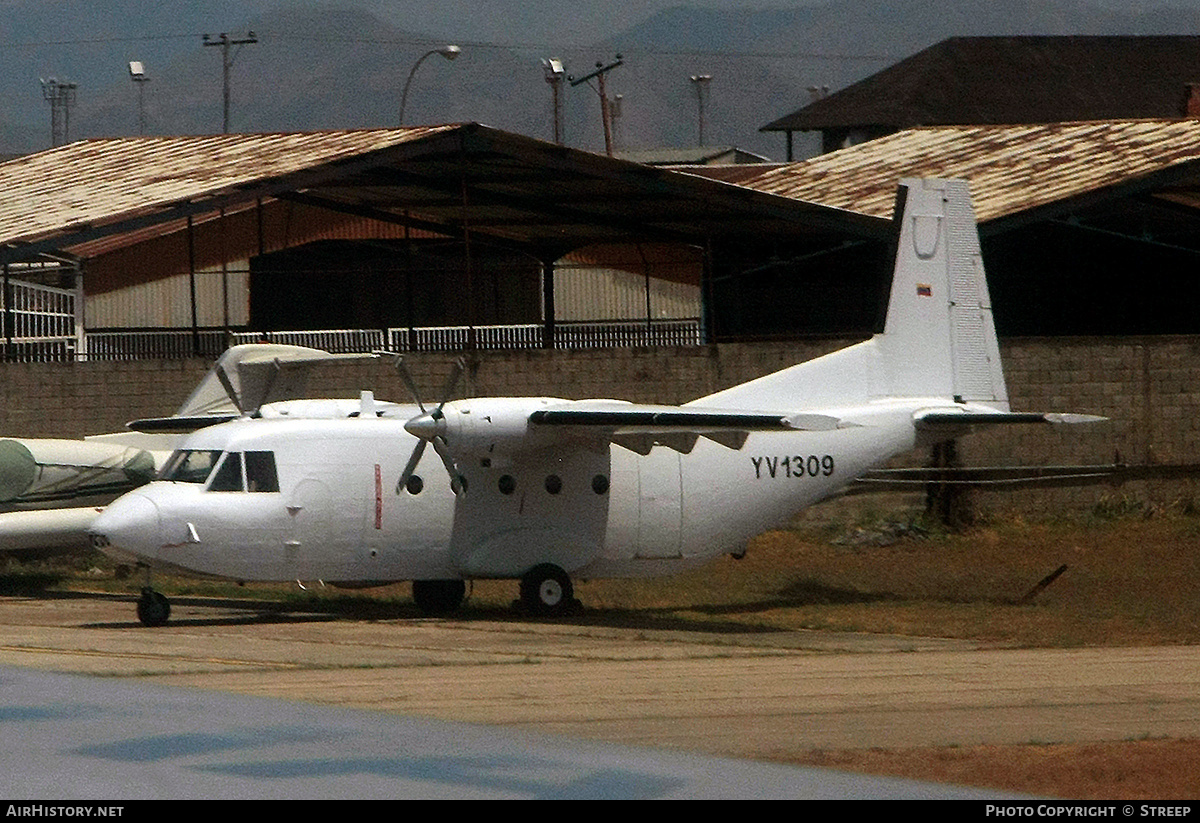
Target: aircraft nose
130, 523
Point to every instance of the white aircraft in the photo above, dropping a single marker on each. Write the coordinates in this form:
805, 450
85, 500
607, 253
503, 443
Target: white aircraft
544, 490
51, 489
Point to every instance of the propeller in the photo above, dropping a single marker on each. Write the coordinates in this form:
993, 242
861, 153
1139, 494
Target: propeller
430, 427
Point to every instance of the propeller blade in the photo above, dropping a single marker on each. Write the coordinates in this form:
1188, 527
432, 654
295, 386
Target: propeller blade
227, 385
411, 466
451, 382
440, 446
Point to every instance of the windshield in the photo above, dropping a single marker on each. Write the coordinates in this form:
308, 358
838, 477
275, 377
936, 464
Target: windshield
190, 465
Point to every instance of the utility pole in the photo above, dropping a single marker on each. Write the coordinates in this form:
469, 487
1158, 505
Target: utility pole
224, 41
61, 97
599, 73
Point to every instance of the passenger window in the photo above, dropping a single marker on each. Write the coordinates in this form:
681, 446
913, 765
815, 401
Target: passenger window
228, 477
260, 472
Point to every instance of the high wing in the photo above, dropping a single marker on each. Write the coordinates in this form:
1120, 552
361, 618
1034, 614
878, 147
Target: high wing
640, 427
242, 381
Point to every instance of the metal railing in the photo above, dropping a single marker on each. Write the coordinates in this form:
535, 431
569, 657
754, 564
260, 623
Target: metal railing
165, 344
37, 322
174, 344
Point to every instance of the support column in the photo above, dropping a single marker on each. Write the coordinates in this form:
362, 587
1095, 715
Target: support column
548, 320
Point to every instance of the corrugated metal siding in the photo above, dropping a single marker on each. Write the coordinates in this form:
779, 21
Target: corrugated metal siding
1010, 168
586, 293
166, 302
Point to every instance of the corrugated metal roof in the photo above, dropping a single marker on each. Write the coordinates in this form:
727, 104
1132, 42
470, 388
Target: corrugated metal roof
92, 182
1010, 169
454, 179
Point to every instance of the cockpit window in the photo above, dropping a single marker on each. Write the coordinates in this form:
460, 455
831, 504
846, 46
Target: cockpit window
228, 478
260, 472
190, 465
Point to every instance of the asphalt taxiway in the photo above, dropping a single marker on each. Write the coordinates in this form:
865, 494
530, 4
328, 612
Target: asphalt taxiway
263, 705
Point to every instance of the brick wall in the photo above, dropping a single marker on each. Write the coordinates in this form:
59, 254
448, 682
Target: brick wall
1149, 387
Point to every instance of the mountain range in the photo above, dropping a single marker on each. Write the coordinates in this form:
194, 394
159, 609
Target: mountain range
343, 65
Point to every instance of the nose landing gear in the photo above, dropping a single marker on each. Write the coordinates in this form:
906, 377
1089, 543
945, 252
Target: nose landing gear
153, 608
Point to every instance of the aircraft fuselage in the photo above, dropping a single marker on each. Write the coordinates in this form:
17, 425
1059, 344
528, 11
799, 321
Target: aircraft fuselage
594, 509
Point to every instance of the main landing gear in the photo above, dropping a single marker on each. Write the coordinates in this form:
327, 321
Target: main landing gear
546, 591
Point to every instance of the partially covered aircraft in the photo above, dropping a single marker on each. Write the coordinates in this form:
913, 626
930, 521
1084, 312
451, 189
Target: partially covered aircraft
52, 489
545, 490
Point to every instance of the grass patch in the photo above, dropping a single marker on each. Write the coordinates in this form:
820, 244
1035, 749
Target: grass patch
1130, 577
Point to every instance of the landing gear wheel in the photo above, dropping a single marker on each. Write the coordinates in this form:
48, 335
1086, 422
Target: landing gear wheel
153, 608
438, 597
546, 591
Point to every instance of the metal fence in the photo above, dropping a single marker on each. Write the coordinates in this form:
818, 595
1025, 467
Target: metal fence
173, 344
38, 322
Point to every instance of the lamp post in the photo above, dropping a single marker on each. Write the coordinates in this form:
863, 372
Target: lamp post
553, 67
137, 73
449, 52
61, 97
701, 81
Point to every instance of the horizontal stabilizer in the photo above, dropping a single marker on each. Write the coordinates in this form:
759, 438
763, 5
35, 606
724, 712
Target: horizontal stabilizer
1012, 477
934, 420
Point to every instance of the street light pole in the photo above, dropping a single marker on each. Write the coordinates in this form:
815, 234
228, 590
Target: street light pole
553, 67
224, 41
701, 81
137, 73
449, 52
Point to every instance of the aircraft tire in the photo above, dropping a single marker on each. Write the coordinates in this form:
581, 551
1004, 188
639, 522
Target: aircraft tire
546, 591
153, 608
438, 597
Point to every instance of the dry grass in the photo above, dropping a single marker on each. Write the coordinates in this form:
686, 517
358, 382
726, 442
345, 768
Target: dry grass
1130, 770
1127, 581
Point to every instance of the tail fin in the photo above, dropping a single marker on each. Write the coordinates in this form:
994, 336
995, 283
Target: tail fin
939, 339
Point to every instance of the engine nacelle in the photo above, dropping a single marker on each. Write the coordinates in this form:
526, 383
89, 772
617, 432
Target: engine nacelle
485, 432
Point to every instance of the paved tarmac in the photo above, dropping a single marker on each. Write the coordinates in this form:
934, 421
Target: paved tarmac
210, 696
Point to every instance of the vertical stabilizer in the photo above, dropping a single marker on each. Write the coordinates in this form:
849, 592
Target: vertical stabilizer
939, 339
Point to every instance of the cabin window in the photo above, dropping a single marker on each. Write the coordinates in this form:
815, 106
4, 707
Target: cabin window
190, 465
228, 477
260, 472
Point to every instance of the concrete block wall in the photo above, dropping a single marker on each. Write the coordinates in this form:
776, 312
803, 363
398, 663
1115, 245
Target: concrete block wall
1149, 387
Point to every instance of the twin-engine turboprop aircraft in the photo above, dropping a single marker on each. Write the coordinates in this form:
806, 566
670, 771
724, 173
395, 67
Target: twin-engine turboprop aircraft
544, 490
